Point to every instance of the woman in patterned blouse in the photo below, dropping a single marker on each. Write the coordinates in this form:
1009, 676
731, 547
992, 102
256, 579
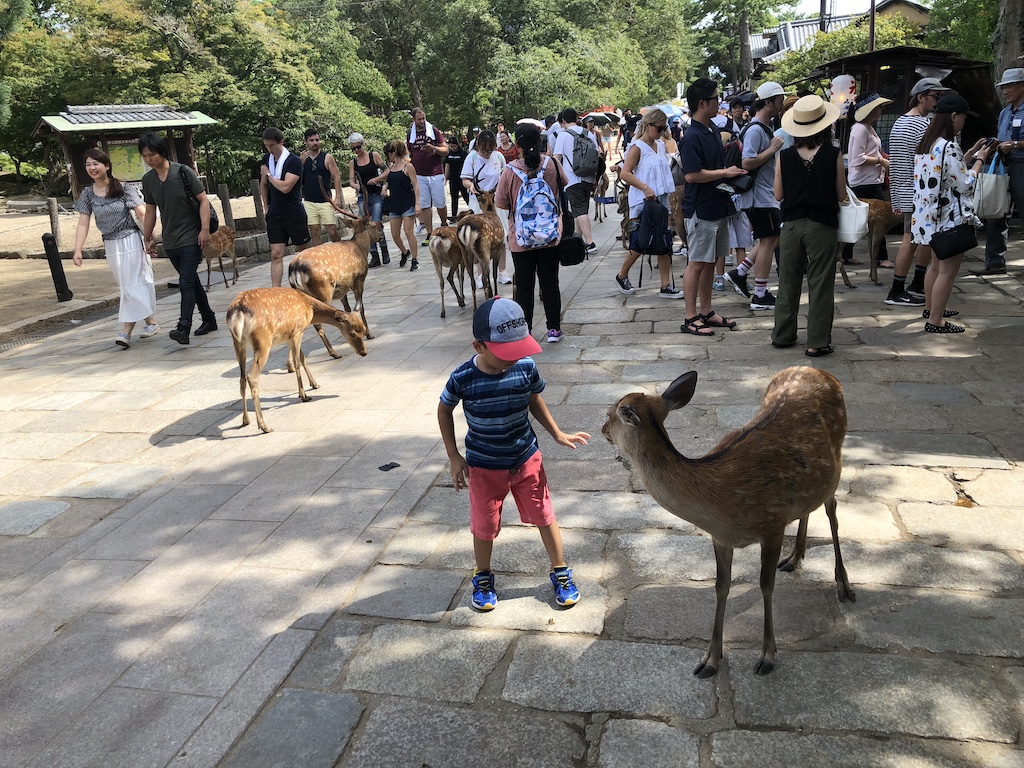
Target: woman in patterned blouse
943, 184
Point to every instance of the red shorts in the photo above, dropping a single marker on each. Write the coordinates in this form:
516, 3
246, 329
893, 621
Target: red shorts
489, 487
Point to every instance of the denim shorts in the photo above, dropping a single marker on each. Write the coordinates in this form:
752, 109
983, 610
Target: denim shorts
376, 206
408, 214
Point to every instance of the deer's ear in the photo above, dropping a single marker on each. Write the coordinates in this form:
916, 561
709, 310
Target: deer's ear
628, 416
680, 391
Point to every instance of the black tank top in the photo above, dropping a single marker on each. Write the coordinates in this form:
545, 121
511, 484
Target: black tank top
402, 196
315, 173
809, 189
367, 172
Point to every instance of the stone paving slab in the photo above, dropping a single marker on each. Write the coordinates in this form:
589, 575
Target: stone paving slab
664, 556
321, 668
409, 734
300, 729
567, 674
992, 527
529, 604
112, 481
894, 695
646, 744
997, 489
922, 450
20, 518
397, 592
427, 662
519, 549
899, 483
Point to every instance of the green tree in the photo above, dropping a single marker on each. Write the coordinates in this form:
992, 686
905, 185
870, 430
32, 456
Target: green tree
11, 14
890, 31
963, 25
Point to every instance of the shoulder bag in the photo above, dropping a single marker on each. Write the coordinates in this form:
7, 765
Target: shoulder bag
571, 248
214, 219
951, 242
853, 218
992, 192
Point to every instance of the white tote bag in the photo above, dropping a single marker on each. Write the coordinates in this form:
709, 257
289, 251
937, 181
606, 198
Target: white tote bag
992, 191
853, 219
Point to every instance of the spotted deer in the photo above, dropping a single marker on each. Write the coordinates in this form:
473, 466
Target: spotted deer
483, 237
780, 467
222, 242
447, 251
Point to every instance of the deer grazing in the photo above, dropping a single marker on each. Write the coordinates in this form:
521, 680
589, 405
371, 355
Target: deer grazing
333, 269
263, 317
779, 468
483, 237
447, 251
221, 242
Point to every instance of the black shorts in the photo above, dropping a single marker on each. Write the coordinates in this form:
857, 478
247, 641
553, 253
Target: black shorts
765, 222
287, 229
578, 196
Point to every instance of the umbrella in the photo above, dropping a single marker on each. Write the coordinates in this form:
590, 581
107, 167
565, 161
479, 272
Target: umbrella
530, 121
670, 110
599, 118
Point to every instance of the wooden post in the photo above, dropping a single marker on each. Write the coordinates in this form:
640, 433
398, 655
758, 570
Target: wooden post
254, 189
54, 211
225, 205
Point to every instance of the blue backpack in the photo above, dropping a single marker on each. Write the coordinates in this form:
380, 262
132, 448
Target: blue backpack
536, 212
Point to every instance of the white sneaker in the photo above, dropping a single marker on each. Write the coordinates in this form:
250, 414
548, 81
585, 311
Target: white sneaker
479, 282
149, 329
503, 278
123, 340
420, 229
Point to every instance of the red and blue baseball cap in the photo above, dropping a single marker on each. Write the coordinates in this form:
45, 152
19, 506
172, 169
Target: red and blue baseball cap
501, 325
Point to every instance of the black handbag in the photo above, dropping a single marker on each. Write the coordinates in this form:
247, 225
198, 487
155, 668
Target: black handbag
571, 248
951, 242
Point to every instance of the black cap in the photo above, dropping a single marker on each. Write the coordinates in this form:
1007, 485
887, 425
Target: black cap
952, 102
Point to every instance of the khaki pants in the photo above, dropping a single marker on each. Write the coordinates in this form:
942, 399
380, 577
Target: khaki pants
806, 248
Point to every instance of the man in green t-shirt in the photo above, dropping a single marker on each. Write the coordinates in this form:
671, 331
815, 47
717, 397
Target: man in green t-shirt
171, 188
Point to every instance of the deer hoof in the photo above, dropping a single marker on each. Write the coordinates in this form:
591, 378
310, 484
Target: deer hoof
764, 667
847, 595
369, 335
305, 398
265, 428
789, 564
705, 670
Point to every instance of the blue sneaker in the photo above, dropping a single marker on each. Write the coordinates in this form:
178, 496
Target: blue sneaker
484, 598
566, 593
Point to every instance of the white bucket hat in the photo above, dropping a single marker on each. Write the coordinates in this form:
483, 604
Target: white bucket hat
1013, 75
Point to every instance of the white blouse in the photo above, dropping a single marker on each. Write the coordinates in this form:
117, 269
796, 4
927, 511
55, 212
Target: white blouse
943, 191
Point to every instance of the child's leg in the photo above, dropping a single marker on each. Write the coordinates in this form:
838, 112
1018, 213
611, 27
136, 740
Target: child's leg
482, 553
552, 538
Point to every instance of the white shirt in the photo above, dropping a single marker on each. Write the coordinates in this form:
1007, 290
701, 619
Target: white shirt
564, 146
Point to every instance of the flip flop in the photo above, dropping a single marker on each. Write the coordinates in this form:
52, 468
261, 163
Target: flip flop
696, 326
723, 322
820, 352
389, 466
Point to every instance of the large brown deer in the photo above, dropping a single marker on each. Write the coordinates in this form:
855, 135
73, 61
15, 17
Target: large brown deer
333, 269
447, 251
263, 317
483, 237
779, 468
221, 242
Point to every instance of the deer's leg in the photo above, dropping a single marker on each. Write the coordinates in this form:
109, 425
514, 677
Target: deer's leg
220, 261
240, 353
770, 550
259, 360
792, 562
295, 345
234, 263
723, 560
293, 361
209, 264
845, 591
874, 243
357, 293
459, 295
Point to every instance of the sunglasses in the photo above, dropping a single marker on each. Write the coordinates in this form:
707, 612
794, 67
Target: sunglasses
356, 146
661, 127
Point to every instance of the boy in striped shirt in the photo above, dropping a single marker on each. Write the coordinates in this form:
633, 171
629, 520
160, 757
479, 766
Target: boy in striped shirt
499, 389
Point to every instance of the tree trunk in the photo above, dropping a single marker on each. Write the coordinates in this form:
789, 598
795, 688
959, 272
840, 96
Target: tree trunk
1008, 38
746, 56
734, 76
410, 74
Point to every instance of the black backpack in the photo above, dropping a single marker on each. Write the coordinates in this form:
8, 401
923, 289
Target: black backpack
214, 218
652, 235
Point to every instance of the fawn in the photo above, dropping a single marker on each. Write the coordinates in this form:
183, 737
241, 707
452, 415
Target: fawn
263, 317
483, 237
779, 468
333, 269
221, 242
600, 192
447, 251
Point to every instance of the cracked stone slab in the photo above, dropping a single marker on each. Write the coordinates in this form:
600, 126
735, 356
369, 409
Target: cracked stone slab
922, 450
646, 744
741, 749
895, 483
20, 518
579, 675
398, 592
427, 662
411, 734
995, 527
937, 621
932, 698
321, 666
300, 729
997, 489
916, 565
528, 604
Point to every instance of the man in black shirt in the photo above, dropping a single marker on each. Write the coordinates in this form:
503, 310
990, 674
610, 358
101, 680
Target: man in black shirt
321, 183
280, 172
453, 172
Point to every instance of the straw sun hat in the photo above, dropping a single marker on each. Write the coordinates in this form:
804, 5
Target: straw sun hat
868, 104
810, 115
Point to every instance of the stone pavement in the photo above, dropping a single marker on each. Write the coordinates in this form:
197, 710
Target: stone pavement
177, 591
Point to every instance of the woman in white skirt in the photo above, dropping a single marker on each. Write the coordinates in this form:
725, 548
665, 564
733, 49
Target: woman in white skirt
112, 204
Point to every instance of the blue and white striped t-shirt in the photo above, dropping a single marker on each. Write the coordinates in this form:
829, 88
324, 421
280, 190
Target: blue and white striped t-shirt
497, 409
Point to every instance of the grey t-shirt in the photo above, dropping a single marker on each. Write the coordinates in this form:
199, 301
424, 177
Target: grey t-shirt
113, 214
761, 194
178, 215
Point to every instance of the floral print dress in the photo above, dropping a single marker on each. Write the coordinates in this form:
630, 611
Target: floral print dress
942, 196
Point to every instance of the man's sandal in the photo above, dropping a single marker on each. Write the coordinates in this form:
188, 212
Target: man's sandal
944, 328
722, 322
696, 326
820, 351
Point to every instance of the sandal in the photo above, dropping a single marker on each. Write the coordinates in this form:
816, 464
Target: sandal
723, 322
944, 328
945, 313
820, 351
696, 326
886, 265
853, 262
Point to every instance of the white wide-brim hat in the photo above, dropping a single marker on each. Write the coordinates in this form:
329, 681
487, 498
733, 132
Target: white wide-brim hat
1014, 75
810, 115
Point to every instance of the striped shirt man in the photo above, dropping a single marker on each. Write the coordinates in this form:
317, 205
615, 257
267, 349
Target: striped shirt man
906, 134
497, 409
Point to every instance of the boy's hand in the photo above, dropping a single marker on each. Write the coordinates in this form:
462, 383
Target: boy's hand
460, 472
569, 441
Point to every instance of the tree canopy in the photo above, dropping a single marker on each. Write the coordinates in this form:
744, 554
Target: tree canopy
963, 25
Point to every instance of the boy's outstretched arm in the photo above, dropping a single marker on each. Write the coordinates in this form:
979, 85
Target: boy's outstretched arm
460, 471
540, 412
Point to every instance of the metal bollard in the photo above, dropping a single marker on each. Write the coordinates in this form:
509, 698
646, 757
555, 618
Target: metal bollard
60, 282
